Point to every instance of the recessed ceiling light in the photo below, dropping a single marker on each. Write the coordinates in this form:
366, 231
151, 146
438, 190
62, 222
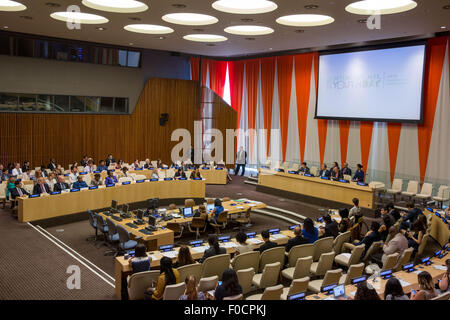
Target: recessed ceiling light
79, 17
305, 20
245, 7
447, 7
443, 27
205, 38
52, 4
311, 6
161, 38
131, 43
5, 27
100, 29
249, 30
371, 7
148, 29
118, 6
362, 21
7, 5
190, 19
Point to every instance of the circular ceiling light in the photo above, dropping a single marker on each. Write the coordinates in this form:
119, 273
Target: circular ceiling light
148, 29
371, 7
118, 6
205, 38
78, 17
7, 5
245, 7
305, 20
249, 30
190, 19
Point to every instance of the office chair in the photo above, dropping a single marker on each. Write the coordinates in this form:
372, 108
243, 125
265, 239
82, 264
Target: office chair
102, 227
125, 242
93, 223
298, 285
113, 236
270, 293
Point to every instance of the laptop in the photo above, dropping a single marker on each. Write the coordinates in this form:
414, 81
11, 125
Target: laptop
187, 212
210, 207
339, 291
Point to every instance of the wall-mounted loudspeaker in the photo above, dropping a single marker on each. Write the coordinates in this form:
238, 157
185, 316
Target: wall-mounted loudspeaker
163, 118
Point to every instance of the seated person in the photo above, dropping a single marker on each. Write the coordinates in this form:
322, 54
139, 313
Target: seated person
345, 223
191, 292
443, 284
303, 169
52, 164
109, 160
159, 164
384, 211
201, 212
384, 228
267, 243
148, 164
80, 183
97, 181
416, 234
331, 228
355, 212
218, 209
346, 170
26, 166
155, 173
336, 173
44, 171
243, 246
195, 174
168, 276
324, 172
51, 180
102, 166
89, 168
184, 257
110, 179
371, 236
17, 170
410, 217
136, 165
309, 231
61, 184
359, 174
393, 290
84, 161
365, 292
397, 244
296, 240
124, 173
214, 248
140, 262
426, 287
230, 285
18, 191
73, 174
393, 212
41, 187
180, 174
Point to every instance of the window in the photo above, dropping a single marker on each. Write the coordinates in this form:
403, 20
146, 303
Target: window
92, 104
106, 105
134, 59
121, 105
27, 102
44, 102
8, 101
76, 104
62, 103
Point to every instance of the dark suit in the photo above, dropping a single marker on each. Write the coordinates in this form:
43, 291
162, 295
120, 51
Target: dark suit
15, 192
324, 173
37, 189
336, 175
51, 166
410, 218
359, 176
210, 253
180, 175
304, 170
110, 161
59, 186
195, 176
346, 171
267, 245
331, 230
368, 240
297, 240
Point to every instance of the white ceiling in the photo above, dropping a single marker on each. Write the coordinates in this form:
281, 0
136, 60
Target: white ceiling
425, 20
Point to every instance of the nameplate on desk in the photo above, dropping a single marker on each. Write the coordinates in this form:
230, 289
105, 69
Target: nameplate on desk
308, 175
93, 187
325, 178
74, 190
386, 274
297, 296
34, 195
358, 279
182, 178
110, 185
166, 248
83, 173
196, 243
293, 227
274, 231
233, 204
205, 168
197, 179
168, 179
362, 184
140, 181
126, 182
344, 181
328, 288
279, 170
408, 267
219, 168
224, 238
55, 192
97, 171
251, 234
139, 169
154, 179
444, 220
66, 175
292, 172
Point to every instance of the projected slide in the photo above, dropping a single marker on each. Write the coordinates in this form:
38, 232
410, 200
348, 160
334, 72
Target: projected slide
379, 85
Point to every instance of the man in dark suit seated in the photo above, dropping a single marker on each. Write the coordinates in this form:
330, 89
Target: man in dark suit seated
303, 169
410, 217
52, 164
324, 172
214, 248
41, 187
359, 174
346, 170
18, 191
297, 240
61, 184
267, 243
331, 228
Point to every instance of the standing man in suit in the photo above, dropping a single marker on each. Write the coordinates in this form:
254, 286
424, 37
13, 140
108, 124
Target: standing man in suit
61, 184
345, 169
324, 172
52, 164
241, 161
267, 243
359, 174
303, 169
41, 187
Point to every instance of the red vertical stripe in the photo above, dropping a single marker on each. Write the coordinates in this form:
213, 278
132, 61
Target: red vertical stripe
236, 74
267, 88
394, 130
217, 75
194, 68
252, 76
344, 127
366, 129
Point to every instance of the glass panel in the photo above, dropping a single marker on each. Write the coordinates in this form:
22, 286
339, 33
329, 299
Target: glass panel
62, 103
207, 110
25, 47
133, 58
44, 103
4, 44
121, 105
8, 101
123, 58
27, 102
76, 104
92, 104
107, 104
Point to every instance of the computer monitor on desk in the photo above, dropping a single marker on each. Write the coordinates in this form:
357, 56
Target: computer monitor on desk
187, 212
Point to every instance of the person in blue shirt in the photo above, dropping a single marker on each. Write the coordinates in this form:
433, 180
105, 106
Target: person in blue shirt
359, 174
80, 183
101, 166
218, 209
309, 231
110, 179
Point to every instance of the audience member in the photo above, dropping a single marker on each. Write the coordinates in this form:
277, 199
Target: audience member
443, 284
140, 262
230, 285
61, 184
393, 290
309, 231
359, 174
366, 292
41, 187
267, 243
324, 172
345, 223
355, 212
298, 239
18, 191
243, 246
331, 228
346, 170
218, 209
80, 183
97, 181
73, 176
191, 292
426, 287
17, 170
410, 217
397, 244
102, 166
109, 160
52, 164
214, 248
168, 276
110, 179
371, 236
184, 257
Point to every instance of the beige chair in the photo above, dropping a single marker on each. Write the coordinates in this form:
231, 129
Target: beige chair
396, 189
300, 251
444, 296
215, 265
139, 282
377, 186
411, 189
243, 220
246, 260
271, 293
301, 269
174, 291
374, 248
194, 269
207, 284
339, 241
425, 193
389, 263
315, 171
331, 277
269, 277
423, 244
297, 286
323, 265
348, 259
125, 179
177, 228
3, 193
270, 256
277, 165
323, 245
355, 271
245, 277
236, 297
197, 226
295, 167
154, 163
222, 220
442, 196
404, 259
189, 203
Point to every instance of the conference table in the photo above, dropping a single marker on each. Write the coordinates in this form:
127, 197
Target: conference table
439, 229
316, 187
66, 203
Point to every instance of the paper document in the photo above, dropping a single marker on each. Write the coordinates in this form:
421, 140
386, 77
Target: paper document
229, 245
403, 282
200, 249
254, 241
170, 254
438, 267
277, 236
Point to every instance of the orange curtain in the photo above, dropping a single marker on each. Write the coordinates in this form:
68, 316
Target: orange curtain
344, 127
267, 87
217, 76
393, 130
365, 133
252, 77
236, 74
194, 68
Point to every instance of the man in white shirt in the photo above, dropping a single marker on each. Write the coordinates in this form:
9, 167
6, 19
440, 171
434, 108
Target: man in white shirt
397, 244
155, 174
17, 170
241, 161
90, 167
73, 175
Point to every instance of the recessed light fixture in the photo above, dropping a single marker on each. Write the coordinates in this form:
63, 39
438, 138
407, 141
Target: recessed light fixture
443, 27
118, 6
131, 43
7, 5
52, 4
5, 27
100, 29
205, 38
311, 6
179, 5
148, 29
446, 7
190, 19
245, 7
79, 17
305, 20
161, 38
249, 30
371, 7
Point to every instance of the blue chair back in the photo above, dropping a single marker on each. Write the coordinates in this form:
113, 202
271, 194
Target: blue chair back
92, 219
112, 230
124, 236
140, 265
101, 224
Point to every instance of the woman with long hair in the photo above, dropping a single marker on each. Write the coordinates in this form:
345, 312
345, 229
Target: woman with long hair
426, 287
214, 248
309, 231
230, 285
366, 292
443, 284
393, 290
168, 275
191, 292
184, 257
